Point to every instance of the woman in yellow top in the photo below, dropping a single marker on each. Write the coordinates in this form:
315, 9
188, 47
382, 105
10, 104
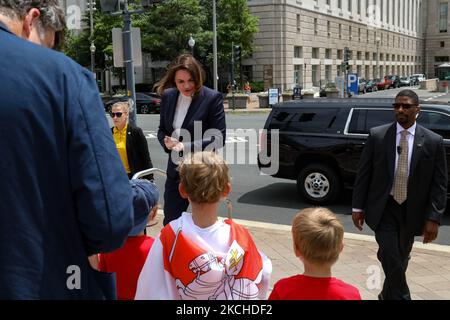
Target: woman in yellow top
130, 141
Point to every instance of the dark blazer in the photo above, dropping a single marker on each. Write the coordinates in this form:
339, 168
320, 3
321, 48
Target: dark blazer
64, 192
427, 180
137, 150
206, 108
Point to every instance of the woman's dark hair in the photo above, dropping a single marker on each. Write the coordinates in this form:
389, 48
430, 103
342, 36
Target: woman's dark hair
183, 62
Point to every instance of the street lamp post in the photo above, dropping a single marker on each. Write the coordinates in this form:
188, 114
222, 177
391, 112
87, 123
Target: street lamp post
191, 44
92, 47
215, 47
378, 56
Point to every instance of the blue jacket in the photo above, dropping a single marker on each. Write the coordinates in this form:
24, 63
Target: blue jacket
206, 109
64, 192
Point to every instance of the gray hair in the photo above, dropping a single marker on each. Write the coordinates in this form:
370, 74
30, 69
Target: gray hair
52, 15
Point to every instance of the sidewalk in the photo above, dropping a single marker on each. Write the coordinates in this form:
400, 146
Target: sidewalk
428, 271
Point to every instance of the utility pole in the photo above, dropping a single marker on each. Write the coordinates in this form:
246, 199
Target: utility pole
232, 75
215, 46
128, 61
91, 5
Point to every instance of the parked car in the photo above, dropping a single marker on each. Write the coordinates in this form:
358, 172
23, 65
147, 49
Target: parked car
395, 81
405, 81
362, 85
371, 85
384, 84
145, 102
320, 143
148, 102
419, 76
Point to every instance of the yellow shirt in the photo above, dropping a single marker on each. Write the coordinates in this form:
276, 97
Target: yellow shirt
120, 138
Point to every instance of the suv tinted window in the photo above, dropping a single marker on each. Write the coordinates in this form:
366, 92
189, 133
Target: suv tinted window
435, 121
363, 120
311, 120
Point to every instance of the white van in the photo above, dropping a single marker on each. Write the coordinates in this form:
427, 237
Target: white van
420, 76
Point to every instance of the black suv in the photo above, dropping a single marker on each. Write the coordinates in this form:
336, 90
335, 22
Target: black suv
320, 142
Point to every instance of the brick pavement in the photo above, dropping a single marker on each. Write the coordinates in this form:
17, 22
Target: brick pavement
428, 272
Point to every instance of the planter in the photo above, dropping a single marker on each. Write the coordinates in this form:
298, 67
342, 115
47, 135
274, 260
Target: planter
332, 94
308, 95
287, 96
240, 102
263, 101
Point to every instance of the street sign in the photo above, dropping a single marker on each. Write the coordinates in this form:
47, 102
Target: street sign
352, 83
273, 96
297, 93
118, 47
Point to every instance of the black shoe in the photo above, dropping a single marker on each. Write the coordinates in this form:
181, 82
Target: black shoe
380, 296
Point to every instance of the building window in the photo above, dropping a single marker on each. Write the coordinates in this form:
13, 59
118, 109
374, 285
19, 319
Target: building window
367, 35
443, 17
381, 9
442, 44
358, 6
367, 57
327, 53
328, 76
441, 59
298, 73
328, 28
298, 52
315, 75
349, 5
358, 55
298, 23
315, 53
339, 4
388, 11
359, 34
340, 31
374, 56
339, 54
367, 8
350, 36
316, 26
328, 2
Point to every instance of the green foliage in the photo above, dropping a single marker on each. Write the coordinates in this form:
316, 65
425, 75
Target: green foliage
257, 86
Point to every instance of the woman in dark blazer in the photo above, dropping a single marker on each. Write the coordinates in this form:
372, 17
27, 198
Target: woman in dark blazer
130, 141
192, 118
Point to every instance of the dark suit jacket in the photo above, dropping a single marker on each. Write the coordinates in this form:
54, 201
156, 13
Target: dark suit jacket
65, 194
137, 150
206, 109
427, 180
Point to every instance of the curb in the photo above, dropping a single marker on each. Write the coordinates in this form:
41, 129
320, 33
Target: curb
347, 235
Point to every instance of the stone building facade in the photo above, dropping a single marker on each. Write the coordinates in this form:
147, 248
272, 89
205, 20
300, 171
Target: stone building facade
301, 42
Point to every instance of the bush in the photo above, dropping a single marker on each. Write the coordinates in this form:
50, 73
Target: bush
257, 86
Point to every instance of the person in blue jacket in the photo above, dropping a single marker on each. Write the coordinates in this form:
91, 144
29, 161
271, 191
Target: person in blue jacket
192, 119
65, 194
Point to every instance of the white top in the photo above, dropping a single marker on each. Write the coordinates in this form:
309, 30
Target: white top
155, 283
181, 110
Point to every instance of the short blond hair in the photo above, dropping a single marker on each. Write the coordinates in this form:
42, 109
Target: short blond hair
318, 235
124, 104
204, 176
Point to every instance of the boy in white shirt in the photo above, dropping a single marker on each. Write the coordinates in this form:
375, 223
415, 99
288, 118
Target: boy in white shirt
200, 256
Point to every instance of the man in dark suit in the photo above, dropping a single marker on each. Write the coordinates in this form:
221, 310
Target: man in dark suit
65, 194
400, 190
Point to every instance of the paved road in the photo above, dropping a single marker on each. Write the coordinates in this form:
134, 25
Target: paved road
259, 197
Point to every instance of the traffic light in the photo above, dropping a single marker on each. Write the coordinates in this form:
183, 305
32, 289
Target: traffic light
109, 6
237, 53
346, 54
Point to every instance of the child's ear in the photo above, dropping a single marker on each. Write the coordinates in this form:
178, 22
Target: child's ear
296, 250
227, 190
182, 191
342, 247
153, 212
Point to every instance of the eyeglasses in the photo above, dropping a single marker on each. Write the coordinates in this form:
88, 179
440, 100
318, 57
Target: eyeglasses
405, 106
116, 114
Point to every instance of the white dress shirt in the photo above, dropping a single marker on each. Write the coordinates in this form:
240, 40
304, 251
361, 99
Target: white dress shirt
181, 110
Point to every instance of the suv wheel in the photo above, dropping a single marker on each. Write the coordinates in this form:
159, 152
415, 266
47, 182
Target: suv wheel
318, 184
145, 109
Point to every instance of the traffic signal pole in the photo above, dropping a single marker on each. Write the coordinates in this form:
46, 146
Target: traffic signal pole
232, 76
128, 61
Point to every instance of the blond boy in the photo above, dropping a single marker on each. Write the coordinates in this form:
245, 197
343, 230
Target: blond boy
200, 256
318, 240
